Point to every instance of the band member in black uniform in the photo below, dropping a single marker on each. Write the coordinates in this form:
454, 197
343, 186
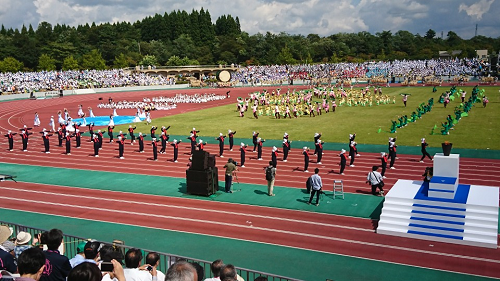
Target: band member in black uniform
306, 158
60, 136
259, 148
91, 131
175, 144
63, 129
392, 152
110, 133
26, 129
243, 151
352, 137
286, 148
424, 145
231, 134
165, 130
153, 131
192, 138
141, 142
274, 156
154, 143
319, 148
99, 136
67, 138
383, 158
163, 139
10, 137
343, 161
352, 153
316, 138
201, 145
194, 132
221, 144
255, 136
78, 138
121, 144
95, 140
131, 133
24, 136
45, 137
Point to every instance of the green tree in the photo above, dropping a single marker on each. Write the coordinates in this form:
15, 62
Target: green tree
174, 61
70, 63
148, 60
93, 60
285, 57
46, 62
430, 34
121, 61
10, 64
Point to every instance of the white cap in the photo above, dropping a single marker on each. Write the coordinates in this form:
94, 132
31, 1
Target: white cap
422, 140
258, 139
140, 134
45, 133
23, 131
119, 137
284, 141
95, 136
254, 132
353, 142
24, 126
121, 132
9, 132
44, 129
229, 131
350, 135
342, 151
97, 131
154, 139
242, 144
220, 134
286, 134
130, 126
152, 126
319, 140
201, 141
175, 140
274, 148
163, 133
305, 148
382, 154
316, 134
77, 130
194, 129
191, 135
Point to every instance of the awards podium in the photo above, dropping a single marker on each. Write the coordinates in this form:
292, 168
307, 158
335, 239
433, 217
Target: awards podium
443, 209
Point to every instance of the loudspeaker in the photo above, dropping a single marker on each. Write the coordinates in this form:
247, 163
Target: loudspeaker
202, 182
200, 160
211, 161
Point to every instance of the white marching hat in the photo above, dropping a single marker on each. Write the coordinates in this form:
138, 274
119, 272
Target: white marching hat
342, 151
382, 154
275, 148
220, 134
175, 140
319, 141
422, 140
305, 148
242, 144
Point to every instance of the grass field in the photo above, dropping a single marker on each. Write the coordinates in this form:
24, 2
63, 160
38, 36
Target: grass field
480, 130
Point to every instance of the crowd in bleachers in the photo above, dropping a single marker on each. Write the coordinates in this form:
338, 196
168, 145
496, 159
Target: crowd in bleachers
27, 258
24, 82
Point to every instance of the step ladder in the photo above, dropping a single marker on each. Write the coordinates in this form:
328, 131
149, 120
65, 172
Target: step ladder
338, 188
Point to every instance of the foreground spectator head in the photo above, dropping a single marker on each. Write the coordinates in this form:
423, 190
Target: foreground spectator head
31, 263
181, 271
85, 272
133, 258
4, 233
91, 250
109, 252
152, 258
216, 266
53, 239
228, 271
260, 278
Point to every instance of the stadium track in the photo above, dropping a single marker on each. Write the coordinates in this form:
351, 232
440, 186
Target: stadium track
331, 233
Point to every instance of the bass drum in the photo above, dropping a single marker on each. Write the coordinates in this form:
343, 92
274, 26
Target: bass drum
223, 76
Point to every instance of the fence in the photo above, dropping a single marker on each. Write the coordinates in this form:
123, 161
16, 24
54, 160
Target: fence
71, 242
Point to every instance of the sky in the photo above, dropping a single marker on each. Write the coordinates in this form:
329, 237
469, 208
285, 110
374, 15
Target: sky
323, 17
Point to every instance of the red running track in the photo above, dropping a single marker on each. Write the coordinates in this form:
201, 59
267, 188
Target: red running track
342, 235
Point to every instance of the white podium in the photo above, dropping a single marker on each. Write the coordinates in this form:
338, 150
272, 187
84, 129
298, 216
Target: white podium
442, 210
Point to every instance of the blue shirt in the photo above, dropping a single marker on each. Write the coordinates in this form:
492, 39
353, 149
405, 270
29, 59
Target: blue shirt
316, 183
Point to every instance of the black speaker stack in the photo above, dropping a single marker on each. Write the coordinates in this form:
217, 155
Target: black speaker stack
202, 178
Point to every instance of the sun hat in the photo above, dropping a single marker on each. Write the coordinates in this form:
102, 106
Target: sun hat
5, 233
23, 238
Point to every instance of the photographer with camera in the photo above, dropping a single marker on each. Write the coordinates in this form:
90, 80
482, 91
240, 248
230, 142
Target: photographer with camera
316, 186
230, 170
270, 177
375, 179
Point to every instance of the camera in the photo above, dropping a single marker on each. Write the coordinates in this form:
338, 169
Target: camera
149, 268
107, 266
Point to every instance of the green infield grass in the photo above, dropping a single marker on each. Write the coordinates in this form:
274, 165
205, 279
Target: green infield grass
480, 130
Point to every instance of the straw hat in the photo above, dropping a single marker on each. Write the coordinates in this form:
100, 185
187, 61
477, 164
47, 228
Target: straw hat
4, 233
23, 238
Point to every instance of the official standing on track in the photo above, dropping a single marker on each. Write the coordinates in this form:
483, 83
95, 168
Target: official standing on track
316, 185
306, 158
270, 177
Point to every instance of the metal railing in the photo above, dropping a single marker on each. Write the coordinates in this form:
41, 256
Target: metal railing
71, 242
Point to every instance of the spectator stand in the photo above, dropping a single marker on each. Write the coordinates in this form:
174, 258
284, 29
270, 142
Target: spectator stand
71, 242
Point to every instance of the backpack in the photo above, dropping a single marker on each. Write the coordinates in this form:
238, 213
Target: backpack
269, 173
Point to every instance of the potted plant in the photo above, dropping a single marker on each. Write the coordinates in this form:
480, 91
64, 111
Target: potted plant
446, 148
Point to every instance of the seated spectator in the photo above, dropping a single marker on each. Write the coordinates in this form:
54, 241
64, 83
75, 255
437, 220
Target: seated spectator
22, 242
215, 267
57, 265
91, 253
228, 272
134, 271
80, 254
153, 259
31, 264
181, 271
7, 261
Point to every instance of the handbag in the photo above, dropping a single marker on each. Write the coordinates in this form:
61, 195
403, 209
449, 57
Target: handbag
380, 183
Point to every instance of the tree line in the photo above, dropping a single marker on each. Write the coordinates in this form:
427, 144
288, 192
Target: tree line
182, 38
